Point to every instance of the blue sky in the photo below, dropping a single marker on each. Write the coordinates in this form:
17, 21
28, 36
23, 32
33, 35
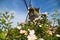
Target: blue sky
19, 8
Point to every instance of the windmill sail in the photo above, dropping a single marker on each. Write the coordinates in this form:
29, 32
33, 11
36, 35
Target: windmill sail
25, 4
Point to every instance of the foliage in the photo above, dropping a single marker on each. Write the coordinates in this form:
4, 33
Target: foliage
55, 16
5, 20
39, 29
58, 21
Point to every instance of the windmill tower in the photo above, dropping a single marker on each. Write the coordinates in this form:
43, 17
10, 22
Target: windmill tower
32, 12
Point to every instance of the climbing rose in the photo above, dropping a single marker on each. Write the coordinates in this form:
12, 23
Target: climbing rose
57, 35
23, 32
19, 27
31, 35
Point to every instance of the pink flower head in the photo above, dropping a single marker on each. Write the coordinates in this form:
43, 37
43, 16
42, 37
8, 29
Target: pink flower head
23, 22
31, 35
23, 31
45, 13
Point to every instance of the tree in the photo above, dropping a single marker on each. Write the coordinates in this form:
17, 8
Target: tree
58, 21
5, 20
55, 15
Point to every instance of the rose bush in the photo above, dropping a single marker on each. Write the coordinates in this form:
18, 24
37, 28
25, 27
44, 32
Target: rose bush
39, 29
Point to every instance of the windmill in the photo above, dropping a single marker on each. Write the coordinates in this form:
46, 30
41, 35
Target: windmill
32, 12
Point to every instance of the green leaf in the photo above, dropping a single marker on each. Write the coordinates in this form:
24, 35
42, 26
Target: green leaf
3, 20
2, 35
